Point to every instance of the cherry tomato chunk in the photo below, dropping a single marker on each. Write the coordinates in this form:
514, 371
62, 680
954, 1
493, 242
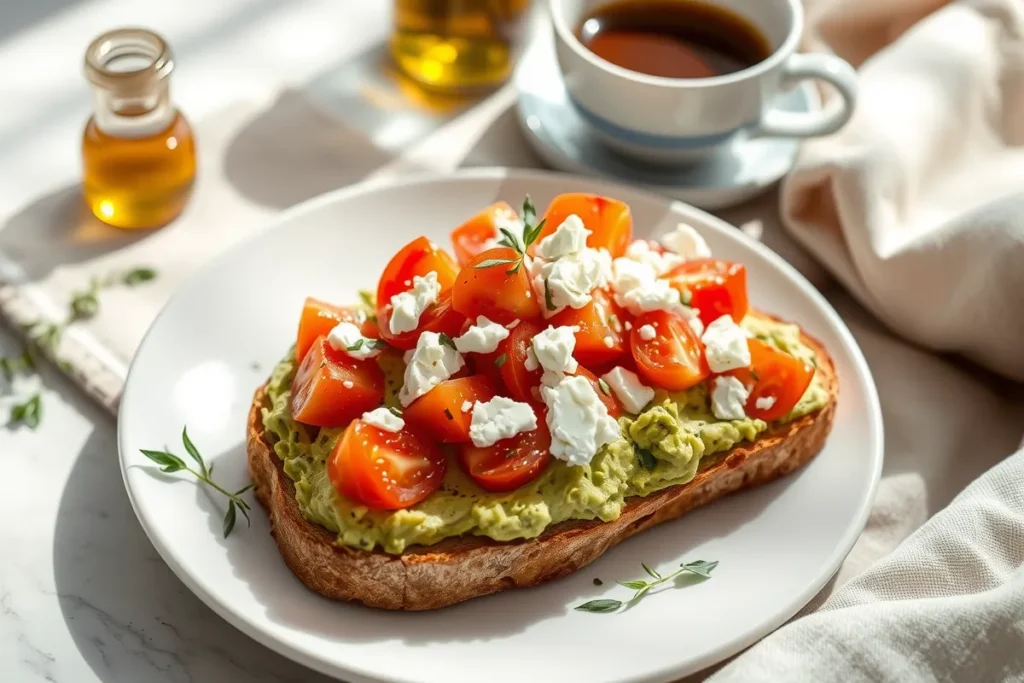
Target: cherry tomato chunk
520, 382
674, 358
608, 399
439, 317
331, 388
716, 288
609, 221
501, 291
509, 463
319, 318
385, 470
470, 238
439, 413
599, 339
419, 257
773, 377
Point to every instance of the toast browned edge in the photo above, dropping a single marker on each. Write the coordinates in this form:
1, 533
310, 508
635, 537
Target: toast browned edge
457, 569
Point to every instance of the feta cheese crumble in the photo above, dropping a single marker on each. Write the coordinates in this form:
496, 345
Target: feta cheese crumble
579, 422
407, 307
764, 403
430, 364
483, 337
568, 238
686, 242
725, 345
641, 252
728, 396
467, 406
382, 418
553, 349
348, 384
500, 418
627, 387
647, 333
638, 289
565, 271
347, 338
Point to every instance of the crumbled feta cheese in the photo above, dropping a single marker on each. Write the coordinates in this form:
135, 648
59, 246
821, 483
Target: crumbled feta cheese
407, 307
641, 252
728, 396
512, 324
629, 326
686, 242
578, 420
764, 402
697, 326
467, 406
647, 332
553, 349
531, 363
569, 280
725, 345
638, 289
500, 418
568, 238
347, 338
431, 363
609, 342
382, 418
348, 384
483, 337
627, 387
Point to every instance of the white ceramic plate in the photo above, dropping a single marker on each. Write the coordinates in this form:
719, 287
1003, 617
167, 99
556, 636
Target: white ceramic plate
777, 545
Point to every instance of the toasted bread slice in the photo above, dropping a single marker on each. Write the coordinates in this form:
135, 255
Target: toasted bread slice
457, 569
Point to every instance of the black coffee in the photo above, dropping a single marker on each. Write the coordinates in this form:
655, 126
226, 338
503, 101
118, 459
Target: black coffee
673, 38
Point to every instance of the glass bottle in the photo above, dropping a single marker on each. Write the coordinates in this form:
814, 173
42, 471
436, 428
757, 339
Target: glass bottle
456, 46
138, 152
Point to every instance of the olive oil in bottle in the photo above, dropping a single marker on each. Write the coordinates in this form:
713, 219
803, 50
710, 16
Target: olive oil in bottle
456, 46
138, 152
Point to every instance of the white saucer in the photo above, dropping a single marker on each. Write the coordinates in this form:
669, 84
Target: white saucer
741, 170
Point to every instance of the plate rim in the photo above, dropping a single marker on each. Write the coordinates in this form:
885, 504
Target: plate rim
669, 672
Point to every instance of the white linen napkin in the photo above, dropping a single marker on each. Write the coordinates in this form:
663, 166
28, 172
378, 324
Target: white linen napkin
917, 205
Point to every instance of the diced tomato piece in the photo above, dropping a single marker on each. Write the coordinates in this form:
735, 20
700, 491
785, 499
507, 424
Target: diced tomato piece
608, 399
773, 374
439, 414
521, 383
441, 317
470, 237
385, 470
331, 388
716, 288
510, 463
608, 220
495, 291
674, 358
419, 257
319, 318
597, 329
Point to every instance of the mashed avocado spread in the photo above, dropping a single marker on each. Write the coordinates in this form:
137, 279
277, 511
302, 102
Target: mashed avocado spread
676, 434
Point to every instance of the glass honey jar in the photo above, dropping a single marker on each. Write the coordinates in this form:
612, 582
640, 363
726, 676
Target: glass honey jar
457, 46
138, 152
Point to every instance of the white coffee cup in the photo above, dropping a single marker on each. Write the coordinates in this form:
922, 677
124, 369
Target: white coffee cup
678, 120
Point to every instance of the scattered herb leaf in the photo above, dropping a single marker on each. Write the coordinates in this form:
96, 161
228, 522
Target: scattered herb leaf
501, 360
634, 585
28, 413
395, 411
491, 262
646, 458
368, 298
605, 389
136, 276
685, 296
448, 414
548, 301
355, 347
171, 463
650, 571
446, 340
699, 568
600, 606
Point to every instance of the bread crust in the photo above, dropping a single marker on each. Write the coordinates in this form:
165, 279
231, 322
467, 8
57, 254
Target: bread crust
457, 569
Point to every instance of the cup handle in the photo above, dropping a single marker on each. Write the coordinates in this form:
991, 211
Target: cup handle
829, 68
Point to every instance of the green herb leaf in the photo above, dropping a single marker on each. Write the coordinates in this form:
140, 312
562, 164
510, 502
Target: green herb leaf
378, 344
244, 489
137, 276
491, 262
548, 301
193, 451
446, 340
355, 347
650, 571
168, 461
229, 518
635, 584
448, 414
514, 269
501, 360
598, 582
753, 373
605, 389
368, 298
26, 358
642, 592
614, 320
529, 212
7, 367
84, 305
395, 411
646, 458
530, 235
685, 296
510, 240
28, 413
700, 568
49, 338
600, 606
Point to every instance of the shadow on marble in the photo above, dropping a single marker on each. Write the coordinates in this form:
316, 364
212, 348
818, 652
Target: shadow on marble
131, 619
58, 229
490, 617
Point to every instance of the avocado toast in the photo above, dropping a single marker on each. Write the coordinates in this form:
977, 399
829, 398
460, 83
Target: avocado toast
486, 523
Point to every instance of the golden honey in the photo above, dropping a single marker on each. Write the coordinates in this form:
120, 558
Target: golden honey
138, 151
456, 46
